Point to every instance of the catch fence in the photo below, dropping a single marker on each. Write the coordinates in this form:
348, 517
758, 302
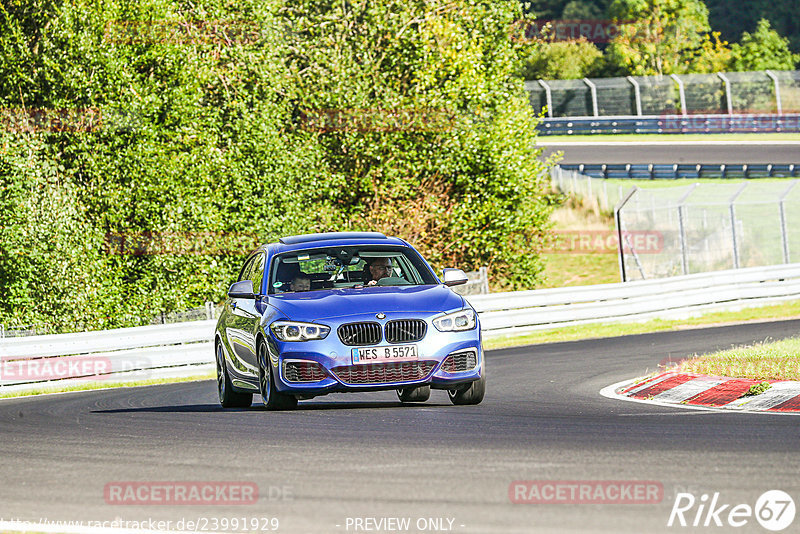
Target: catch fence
723, 93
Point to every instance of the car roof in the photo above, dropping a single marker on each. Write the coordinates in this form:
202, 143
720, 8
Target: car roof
333, 239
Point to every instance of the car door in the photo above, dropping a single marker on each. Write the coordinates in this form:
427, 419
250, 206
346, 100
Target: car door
244, 320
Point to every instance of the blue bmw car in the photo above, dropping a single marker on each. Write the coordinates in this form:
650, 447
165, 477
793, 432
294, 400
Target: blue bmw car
345, 312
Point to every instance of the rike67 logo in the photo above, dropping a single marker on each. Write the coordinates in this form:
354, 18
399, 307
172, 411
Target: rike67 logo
774, 510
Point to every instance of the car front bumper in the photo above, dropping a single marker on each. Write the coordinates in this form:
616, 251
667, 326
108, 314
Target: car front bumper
445, 361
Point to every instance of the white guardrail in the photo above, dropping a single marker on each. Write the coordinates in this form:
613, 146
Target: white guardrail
185, 349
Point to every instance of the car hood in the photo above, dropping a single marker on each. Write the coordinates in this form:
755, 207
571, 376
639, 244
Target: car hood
326, 304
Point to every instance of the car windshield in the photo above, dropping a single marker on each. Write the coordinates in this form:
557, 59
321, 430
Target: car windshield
347, 267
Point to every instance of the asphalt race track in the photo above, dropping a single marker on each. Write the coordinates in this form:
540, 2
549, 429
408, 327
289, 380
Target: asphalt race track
366, 456
675, 152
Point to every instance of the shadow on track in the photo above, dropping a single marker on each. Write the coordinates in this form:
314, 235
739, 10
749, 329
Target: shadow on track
258, 407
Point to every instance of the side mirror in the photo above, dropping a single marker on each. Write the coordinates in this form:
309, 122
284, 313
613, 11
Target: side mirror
242, 290
454, 277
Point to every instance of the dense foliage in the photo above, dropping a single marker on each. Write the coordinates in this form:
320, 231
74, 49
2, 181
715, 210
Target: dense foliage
671, 36
148, 145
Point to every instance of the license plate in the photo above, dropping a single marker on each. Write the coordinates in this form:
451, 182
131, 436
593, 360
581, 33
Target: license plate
385, 354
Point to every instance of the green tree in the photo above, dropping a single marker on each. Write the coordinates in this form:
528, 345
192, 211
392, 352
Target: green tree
443, 185
562, 60
761, 50
658, 36
581, 10
732, 19
211, 142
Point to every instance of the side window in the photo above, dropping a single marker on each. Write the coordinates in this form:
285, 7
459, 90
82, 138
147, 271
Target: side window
244, 274
257, 273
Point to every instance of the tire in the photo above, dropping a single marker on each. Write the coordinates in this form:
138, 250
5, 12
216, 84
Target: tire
471, 394
271, 397
229, 398
417, 394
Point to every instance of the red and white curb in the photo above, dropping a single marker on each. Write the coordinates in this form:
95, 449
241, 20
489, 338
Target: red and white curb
689, 390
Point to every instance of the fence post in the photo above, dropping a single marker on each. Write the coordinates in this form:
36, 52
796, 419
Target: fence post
637, 95
777, 90
682, 236
593, 89
784, 230
682, 229
733, 225
681, 93
484, 275
618, 223
728, 98
589, 184
548, 94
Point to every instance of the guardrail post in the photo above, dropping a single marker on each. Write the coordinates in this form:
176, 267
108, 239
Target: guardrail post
484, 276
637, 95
2, 331
728, 98
548, 94
784, 231
593, 89
733, 226
777, 90
681, 93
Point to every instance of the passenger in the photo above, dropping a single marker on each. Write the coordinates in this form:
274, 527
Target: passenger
375, 269
300, 283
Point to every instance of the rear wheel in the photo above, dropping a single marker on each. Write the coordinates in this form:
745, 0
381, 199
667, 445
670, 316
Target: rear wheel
229, 398
417, 394
471, 394
270, 396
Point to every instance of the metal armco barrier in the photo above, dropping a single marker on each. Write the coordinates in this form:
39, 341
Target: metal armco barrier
677, 297
186, 348
124, 354
689, 171
671, 124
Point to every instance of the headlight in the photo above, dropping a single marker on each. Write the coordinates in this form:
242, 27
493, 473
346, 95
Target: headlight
456, 322
294, 331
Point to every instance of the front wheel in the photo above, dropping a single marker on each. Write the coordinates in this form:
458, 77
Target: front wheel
270, 396
417, 394
472, 394
229, 398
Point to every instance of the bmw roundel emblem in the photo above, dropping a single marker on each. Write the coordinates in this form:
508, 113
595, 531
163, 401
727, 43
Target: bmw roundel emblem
381, 316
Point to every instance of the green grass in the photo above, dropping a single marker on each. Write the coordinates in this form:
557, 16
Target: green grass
592, 331
562, 270
89, 386
777, 360
605, 138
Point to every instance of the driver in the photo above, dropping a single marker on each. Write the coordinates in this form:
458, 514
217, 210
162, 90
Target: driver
377, 268
301, 283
